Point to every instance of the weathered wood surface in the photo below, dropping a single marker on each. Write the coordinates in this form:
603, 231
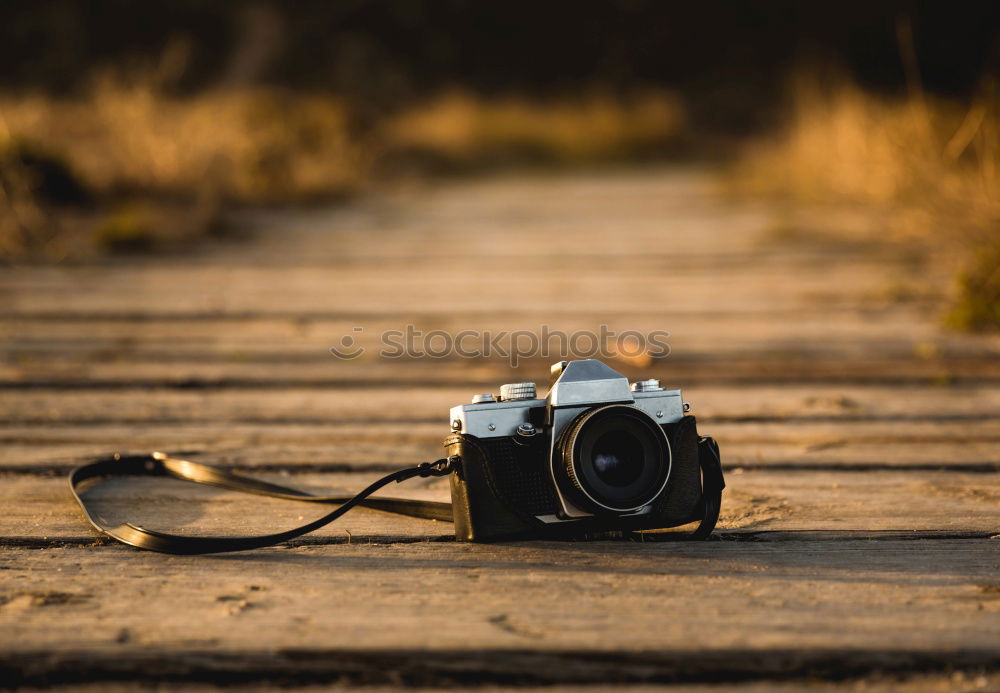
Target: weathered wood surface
778, 501
360, 445
860, 537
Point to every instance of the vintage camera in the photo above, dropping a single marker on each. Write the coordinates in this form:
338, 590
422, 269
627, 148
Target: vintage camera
596, 458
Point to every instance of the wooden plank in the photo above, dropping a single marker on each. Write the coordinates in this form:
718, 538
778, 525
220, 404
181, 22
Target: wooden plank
970, 445
754, 369
357, 287
827, 380
335, 455
878, 681
712, 404
754, 500
539, 612
648, 263
848, 331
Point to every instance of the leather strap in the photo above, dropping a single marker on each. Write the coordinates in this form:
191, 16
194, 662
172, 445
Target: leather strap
712, 484
159, 464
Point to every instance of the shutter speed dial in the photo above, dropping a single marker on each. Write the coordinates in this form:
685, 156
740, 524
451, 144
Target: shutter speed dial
651, 385
512, 392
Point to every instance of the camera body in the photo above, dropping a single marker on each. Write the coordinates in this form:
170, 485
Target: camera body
596, 458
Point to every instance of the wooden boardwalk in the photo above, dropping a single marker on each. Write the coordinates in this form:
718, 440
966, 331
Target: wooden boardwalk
859, 537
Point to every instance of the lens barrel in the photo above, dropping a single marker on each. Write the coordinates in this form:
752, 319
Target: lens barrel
613, 459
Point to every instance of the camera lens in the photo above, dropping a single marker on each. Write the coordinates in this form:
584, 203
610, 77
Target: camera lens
614, 458
618, 458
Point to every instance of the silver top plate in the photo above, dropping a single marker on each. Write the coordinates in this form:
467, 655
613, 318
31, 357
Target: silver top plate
589, 381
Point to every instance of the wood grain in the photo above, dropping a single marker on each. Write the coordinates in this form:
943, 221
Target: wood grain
712, 403
758, 500
600, 612
857, 544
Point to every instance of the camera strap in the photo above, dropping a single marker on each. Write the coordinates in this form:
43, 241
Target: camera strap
158, 464
712, 485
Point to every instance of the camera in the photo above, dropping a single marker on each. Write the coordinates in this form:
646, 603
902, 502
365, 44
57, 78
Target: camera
597, 458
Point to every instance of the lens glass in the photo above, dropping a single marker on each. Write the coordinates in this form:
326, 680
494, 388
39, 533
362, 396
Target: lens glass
618, 458
614, 459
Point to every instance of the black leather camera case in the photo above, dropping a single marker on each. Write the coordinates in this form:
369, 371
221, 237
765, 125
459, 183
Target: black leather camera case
501, 487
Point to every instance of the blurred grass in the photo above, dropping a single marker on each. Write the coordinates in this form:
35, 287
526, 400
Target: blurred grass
158, 171
134, 147
127, 167
254, 144
920, 172
458, 131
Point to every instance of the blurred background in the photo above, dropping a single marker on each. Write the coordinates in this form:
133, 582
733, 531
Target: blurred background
139, 127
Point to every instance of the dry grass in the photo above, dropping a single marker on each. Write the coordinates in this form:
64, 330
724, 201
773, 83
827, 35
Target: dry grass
255, 145
158, 170
265, 145
138, 151
460, 130
918, 171
25, 224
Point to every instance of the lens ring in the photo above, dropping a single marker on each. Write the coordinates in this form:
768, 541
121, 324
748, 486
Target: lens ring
636, 476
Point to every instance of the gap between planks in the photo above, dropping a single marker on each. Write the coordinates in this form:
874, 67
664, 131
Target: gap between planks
985, 467
481, 668
781, 536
